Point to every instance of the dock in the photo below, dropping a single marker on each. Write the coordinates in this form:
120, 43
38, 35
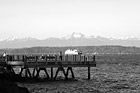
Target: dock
41, 62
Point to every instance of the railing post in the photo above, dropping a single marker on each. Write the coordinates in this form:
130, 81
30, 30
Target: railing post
18, 58
36, 58
84, 58
66, 57
55, 58
75, 57
25, 60
80, 57
94, 58
46, 58
13, 58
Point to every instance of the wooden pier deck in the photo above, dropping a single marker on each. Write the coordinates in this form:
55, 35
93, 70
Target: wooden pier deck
41, 62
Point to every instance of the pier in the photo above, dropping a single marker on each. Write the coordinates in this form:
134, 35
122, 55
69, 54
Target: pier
32, 65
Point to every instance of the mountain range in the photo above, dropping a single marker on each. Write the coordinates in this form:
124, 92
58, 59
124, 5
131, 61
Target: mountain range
74, 39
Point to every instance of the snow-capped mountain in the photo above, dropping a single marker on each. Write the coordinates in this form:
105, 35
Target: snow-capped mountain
74, 35
74, 39
18, 39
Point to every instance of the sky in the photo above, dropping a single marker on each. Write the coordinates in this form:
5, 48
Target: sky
58, 18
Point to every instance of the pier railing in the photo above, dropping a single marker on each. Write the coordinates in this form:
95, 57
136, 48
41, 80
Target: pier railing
51, 60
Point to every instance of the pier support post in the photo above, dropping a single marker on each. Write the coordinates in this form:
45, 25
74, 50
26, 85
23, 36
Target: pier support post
33, 74
10, 69
51, 73
21, 71
67, 73
88, 72
38, 71
59, 69
27, 72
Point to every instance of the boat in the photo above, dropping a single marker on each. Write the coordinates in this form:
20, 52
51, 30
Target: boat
72, 52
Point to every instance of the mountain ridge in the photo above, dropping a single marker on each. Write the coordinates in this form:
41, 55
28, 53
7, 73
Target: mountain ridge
74, 39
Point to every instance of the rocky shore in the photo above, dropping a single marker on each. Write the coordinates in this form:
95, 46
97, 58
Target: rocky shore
8, 86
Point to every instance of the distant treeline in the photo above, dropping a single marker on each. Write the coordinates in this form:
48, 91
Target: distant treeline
84, 49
